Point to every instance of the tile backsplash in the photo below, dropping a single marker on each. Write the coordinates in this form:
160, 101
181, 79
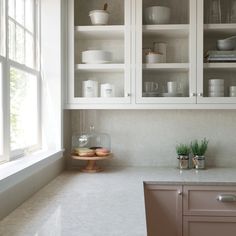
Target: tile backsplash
149, 137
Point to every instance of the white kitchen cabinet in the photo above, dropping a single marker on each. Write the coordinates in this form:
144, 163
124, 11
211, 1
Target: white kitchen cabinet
114, 37
209, 31
179, 35
177, 210
187, 36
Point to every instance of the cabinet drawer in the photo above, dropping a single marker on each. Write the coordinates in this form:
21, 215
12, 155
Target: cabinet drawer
210, 200
205, 226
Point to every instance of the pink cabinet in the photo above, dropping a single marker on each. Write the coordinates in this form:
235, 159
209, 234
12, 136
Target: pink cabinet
163, 209
205, 210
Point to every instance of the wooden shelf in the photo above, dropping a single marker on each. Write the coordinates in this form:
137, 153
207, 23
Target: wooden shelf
220, 29
220, 65
183, 67
170, 31
100, 67
100, 32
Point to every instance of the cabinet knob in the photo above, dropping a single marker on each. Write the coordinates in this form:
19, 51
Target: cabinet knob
193, 94
200, 94
180, 193
226, 198
128, 95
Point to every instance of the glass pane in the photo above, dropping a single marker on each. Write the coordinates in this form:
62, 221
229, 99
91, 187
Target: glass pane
2, 28
1, 115
11, 40
20, 11
29, 50
29, 13
11, 8
23, 109
20, 44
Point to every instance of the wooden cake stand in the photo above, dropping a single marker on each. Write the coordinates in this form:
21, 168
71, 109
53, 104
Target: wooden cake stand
91, 166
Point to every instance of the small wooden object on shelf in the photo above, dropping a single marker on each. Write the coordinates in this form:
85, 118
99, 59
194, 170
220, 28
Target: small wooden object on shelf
91, 166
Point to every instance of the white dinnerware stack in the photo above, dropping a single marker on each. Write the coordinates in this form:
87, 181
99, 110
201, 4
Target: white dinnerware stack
216, 88
232, 91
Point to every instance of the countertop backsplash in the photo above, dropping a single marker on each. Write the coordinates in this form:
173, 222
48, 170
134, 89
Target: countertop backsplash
149, 137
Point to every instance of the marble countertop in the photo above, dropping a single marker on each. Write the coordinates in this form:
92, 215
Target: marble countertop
109, 203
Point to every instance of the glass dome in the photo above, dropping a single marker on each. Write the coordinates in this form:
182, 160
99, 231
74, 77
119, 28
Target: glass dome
92, 140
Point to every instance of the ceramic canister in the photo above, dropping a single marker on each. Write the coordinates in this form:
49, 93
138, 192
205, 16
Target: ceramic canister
107, 90
90, 88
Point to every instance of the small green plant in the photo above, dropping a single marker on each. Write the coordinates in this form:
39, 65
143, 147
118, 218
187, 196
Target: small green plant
199, 148
183, 149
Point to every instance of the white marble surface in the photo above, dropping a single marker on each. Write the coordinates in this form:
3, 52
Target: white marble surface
105, 204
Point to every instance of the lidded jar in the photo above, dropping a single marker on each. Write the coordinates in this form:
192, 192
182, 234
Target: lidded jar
92, 140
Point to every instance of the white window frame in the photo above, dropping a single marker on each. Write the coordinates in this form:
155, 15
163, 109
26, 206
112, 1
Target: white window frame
7, 63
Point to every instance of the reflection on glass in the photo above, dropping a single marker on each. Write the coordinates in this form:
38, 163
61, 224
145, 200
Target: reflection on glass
20, 44
23, 109
29, 9
2, 28
1, 115
29, 50
11, 8
20, 5
11, 40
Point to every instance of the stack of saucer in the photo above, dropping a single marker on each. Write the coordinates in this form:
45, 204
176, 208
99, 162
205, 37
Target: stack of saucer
232, 91
216, 88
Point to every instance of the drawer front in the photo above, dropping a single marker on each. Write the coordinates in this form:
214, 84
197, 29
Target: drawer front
210, 200
209, 226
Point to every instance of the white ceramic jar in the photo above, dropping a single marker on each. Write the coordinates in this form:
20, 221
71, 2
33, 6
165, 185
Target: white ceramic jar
90, 88
107, 90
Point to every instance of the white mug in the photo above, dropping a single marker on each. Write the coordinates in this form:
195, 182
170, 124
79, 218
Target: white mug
90, 88
173, 87
150, 87
107, 90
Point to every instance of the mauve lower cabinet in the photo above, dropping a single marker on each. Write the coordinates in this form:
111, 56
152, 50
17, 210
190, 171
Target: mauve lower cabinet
183, 210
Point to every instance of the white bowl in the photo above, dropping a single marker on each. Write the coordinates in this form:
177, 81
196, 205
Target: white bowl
217, 88
99, 17
226, 44
232, 88
96, 57
152, 58
157, 15
216, 82
216, 94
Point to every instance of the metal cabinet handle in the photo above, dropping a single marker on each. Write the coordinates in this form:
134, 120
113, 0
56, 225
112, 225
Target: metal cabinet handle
226, 198
200, 94
128, 94
180, 193
193, 94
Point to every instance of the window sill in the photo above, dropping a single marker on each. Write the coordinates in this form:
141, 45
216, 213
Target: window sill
15, 171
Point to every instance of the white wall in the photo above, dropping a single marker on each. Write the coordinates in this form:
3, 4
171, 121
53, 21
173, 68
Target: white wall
149, 137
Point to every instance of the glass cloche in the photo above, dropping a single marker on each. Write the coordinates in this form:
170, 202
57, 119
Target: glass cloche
91, 140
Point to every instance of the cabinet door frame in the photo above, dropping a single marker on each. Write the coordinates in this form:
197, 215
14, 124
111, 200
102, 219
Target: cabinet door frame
84, 103
192, 59
179, 201
200, 63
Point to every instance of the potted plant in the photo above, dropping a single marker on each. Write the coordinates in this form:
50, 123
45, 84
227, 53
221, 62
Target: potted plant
199, 149
183, 152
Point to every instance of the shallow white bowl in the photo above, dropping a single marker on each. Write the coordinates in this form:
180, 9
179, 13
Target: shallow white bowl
216, 82
157, 15
99, 17
154, 58
96, 57
212, 94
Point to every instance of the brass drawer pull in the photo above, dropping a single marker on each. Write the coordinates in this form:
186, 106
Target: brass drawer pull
226, 198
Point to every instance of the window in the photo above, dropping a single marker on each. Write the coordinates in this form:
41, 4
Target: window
20, 62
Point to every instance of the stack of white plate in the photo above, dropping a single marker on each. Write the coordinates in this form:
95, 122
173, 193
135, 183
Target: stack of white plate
232, 91
216, 88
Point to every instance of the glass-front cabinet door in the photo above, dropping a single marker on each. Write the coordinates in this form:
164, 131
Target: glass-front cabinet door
165, 51
99, 51
216, 43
